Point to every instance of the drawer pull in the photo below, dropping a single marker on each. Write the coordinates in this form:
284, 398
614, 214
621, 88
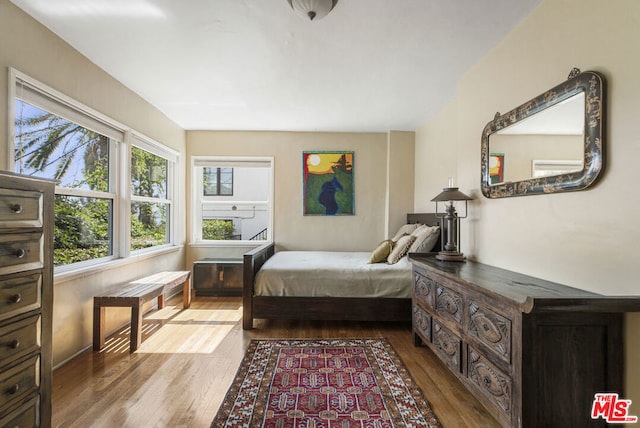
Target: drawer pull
15, 298
14, 389
16, 208
20, 253
14, 344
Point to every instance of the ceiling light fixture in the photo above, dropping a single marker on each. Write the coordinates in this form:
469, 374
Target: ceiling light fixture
313, 9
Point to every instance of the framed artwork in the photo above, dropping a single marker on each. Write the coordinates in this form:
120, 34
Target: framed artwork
327, 187
496, 168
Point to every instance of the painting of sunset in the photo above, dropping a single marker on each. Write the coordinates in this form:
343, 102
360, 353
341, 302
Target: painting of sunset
328, 183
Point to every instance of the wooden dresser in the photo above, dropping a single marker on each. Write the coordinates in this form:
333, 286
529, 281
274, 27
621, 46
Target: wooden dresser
533, 352
26, 298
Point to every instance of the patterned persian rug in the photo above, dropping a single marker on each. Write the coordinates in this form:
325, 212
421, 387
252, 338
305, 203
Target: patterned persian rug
328, 383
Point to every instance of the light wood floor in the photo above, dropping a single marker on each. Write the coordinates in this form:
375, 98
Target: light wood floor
188, 358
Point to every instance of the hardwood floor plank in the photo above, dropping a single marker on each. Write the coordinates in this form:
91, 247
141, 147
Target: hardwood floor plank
188, 359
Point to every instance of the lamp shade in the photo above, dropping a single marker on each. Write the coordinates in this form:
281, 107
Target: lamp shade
313, 9
451, 194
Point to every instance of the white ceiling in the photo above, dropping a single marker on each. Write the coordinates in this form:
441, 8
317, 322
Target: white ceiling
369, 66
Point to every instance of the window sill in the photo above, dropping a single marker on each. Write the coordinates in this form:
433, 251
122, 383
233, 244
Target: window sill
71, 275
218, 244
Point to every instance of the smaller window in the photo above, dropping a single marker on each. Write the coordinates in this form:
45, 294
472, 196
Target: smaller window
218, 181
150, 204
232, 199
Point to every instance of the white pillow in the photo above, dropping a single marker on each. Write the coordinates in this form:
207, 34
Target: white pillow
426, 238
400, 248
404, 230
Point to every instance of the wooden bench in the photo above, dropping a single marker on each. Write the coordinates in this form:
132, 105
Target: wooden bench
135, 294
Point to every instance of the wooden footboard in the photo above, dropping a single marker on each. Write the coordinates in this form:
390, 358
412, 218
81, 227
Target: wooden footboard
253, 261
311, 308
332, 308
320, 308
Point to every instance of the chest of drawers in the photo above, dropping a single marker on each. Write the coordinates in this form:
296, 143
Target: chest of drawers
26, 298
533, 352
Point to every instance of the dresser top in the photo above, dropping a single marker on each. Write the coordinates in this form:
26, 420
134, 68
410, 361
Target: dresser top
528, 292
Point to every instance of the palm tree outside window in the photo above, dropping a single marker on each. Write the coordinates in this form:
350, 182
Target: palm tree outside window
89, 155
77, 158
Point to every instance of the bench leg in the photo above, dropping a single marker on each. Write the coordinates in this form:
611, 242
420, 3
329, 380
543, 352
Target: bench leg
98, 327
136, 328
186, 294
161, 301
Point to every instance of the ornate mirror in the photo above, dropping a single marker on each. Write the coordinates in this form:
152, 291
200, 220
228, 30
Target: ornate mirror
552, 143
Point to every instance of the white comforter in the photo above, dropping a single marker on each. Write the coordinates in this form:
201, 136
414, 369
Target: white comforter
332, 274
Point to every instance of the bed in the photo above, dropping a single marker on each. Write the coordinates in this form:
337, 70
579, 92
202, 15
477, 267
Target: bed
312, 284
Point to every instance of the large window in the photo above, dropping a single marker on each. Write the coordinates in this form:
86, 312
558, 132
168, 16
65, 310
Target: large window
85, 153
232, 199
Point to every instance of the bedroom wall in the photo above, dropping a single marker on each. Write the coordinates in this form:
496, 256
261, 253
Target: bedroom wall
400, 184
34, 50
435, 157
588, 239
292, 230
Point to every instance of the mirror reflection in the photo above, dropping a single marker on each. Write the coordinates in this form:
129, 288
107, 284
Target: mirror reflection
547, 143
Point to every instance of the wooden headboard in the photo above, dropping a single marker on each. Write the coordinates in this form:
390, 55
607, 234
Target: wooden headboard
429, 219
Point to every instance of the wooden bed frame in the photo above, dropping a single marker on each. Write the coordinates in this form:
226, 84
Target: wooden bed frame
320, 308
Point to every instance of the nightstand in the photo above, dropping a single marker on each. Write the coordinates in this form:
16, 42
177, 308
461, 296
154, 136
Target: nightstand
218, 277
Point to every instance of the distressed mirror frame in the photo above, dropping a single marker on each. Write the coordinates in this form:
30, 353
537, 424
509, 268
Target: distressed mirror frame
593, 85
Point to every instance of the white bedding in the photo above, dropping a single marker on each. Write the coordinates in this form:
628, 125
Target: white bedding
332, 274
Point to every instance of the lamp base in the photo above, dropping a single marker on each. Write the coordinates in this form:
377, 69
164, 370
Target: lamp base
451, 256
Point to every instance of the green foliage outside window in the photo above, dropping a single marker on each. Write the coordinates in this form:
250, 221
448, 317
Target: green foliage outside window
82, 229
50, 146
148, 219
148, 225
220, 230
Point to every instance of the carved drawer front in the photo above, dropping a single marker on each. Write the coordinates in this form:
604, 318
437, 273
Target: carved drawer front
20, 381
24, 416
449, 345
491, 329
20, 251
449, 304
19, 295
19, 208
423, 289
19, 339
422, 322
492, 383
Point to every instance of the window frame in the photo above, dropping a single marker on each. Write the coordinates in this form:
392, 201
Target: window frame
198, 163
171, 156
119, 192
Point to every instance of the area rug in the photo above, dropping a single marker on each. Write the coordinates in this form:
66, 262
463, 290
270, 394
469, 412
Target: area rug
328, 383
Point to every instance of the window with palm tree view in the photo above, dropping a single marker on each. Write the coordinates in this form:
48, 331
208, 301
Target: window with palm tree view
84, 163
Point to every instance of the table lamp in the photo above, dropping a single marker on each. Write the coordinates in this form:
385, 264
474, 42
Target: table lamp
448, 196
